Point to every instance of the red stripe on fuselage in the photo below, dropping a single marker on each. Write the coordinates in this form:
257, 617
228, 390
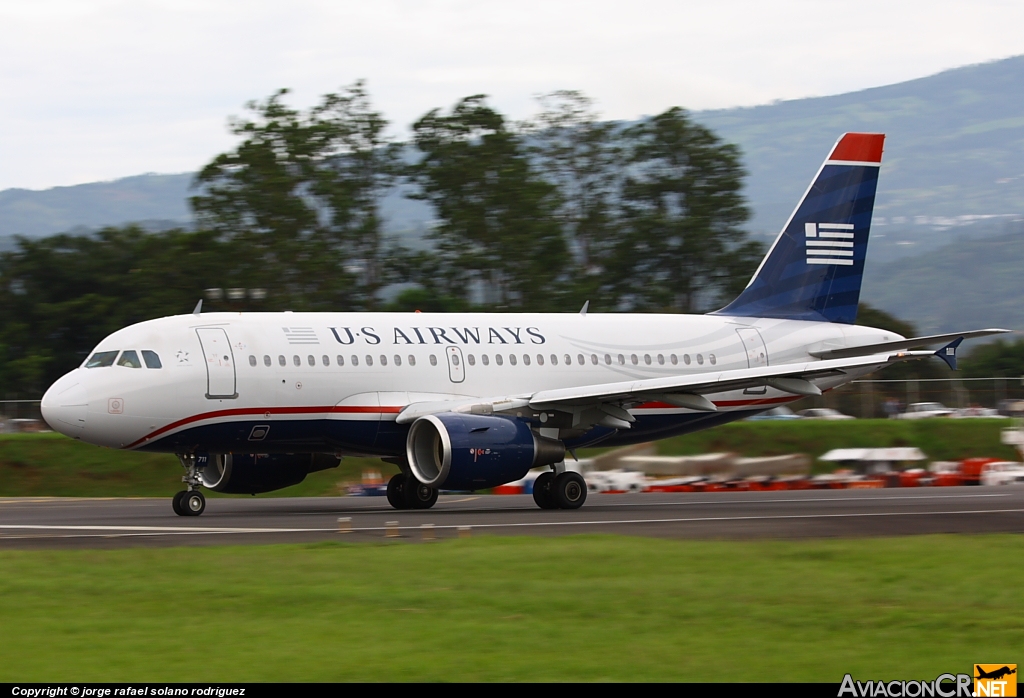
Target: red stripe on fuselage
268, 411
390, 409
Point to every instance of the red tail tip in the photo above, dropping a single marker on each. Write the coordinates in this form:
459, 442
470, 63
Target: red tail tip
859, 147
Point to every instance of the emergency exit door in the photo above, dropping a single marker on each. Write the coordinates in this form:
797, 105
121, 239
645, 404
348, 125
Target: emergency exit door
220, 364
456, 366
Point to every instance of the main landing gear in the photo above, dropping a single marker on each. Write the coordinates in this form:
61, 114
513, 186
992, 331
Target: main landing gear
566, 490
406, 492
189, 502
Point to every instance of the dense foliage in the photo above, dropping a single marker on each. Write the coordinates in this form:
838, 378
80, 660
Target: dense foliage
533, 216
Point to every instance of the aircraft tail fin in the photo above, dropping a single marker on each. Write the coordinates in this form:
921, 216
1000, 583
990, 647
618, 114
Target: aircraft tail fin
814, 268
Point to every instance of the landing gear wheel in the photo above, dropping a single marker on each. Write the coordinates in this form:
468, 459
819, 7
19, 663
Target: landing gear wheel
570, 490
418, 495
176, 503
193, 503
544, 491
396, 491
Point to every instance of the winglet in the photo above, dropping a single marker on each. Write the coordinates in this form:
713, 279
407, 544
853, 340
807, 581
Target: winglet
199, 308
583, 310
948, 352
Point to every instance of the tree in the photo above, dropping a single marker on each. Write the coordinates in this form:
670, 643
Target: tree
582, 157
683, 248
299, 196
497, 216
60, 295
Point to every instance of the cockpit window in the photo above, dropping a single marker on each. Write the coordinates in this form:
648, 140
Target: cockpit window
130, 359
101, 359
151, 359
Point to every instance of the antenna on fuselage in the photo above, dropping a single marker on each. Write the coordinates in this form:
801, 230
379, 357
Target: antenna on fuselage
583, 310
199, 307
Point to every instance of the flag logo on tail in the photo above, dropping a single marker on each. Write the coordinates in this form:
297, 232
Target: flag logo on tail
829, 243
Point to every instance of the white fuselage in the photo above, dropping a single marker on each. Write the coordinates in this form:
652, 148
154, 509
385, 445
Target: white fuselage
260, 382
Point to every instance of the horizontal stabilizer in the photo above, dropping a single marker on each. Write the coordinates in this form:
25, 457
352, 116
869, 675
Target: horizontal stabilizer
868, 349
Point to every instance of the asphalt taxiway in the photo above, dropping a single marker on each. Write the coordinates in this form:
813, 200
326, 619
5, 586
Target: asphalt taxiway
120, 522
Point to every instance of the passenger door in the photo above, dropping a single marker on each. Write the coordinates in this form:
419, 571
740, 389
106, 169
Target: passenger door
220, 363
757, 354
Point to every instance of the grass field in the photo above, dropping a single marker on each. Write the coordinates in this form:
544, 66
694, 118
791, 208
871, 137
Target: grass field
524, 609
53, 465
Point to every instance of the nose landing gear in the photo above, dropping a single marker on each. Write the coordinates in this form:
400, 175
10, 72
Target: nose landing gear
189, 502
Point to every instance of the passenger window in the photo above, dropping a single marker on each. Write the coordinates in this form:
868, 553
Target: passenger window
326, 359
540, 359
296, 360
398, 360
608, 359
252, 360
622, 360
281, 361
383, 360
484, 359
686, 359
700, 359
471, 359
712, 359
661, 359
369, 360
101, 359
341, 360
412, 360
311, 359
633, 359
151, 359
355, 360
266, 359
512, 359
593, 359
433, 360
647, 359
498, 360
554, 359
454, 359
130, 359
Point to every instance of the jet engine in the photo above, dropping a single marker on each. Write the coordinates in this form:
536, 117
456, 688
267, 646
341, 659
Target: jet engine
474, 452
252, 473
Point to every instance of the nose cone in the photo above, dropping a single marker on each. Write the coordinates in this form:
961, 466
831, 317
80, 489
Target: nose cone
64, 406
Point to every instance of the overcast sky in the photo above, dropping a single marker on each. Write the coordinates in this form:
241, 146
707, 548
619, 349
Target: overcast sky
100, 89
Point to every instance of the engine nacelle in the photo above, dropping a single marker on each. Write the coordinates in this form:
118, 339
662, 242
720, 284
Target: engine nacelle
253, 473
474, 452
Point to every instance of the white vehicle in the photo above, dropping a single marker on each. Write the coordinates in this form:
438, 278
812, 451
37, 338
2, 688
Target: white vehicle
1002, 473
823, 413
923, 410
252, 402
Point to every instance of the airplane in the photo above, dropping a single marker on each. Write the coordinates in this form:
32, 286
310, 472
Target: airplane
253, 402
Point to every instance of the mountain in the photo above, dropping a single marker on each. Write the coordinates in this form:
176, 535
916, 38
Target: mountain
954, 153
149, 197
969, 284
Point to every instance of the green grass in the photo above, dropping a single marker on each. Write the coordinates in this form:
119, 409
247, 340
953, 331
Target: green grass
56, 466
53, 465
523, 609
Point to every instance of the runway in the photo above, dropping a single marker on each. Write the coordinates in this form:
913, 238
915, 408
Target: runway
123, 522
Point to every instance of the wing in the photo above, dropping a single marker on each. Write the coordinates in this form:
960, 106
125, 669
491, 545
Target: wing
607, 403
866, 349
